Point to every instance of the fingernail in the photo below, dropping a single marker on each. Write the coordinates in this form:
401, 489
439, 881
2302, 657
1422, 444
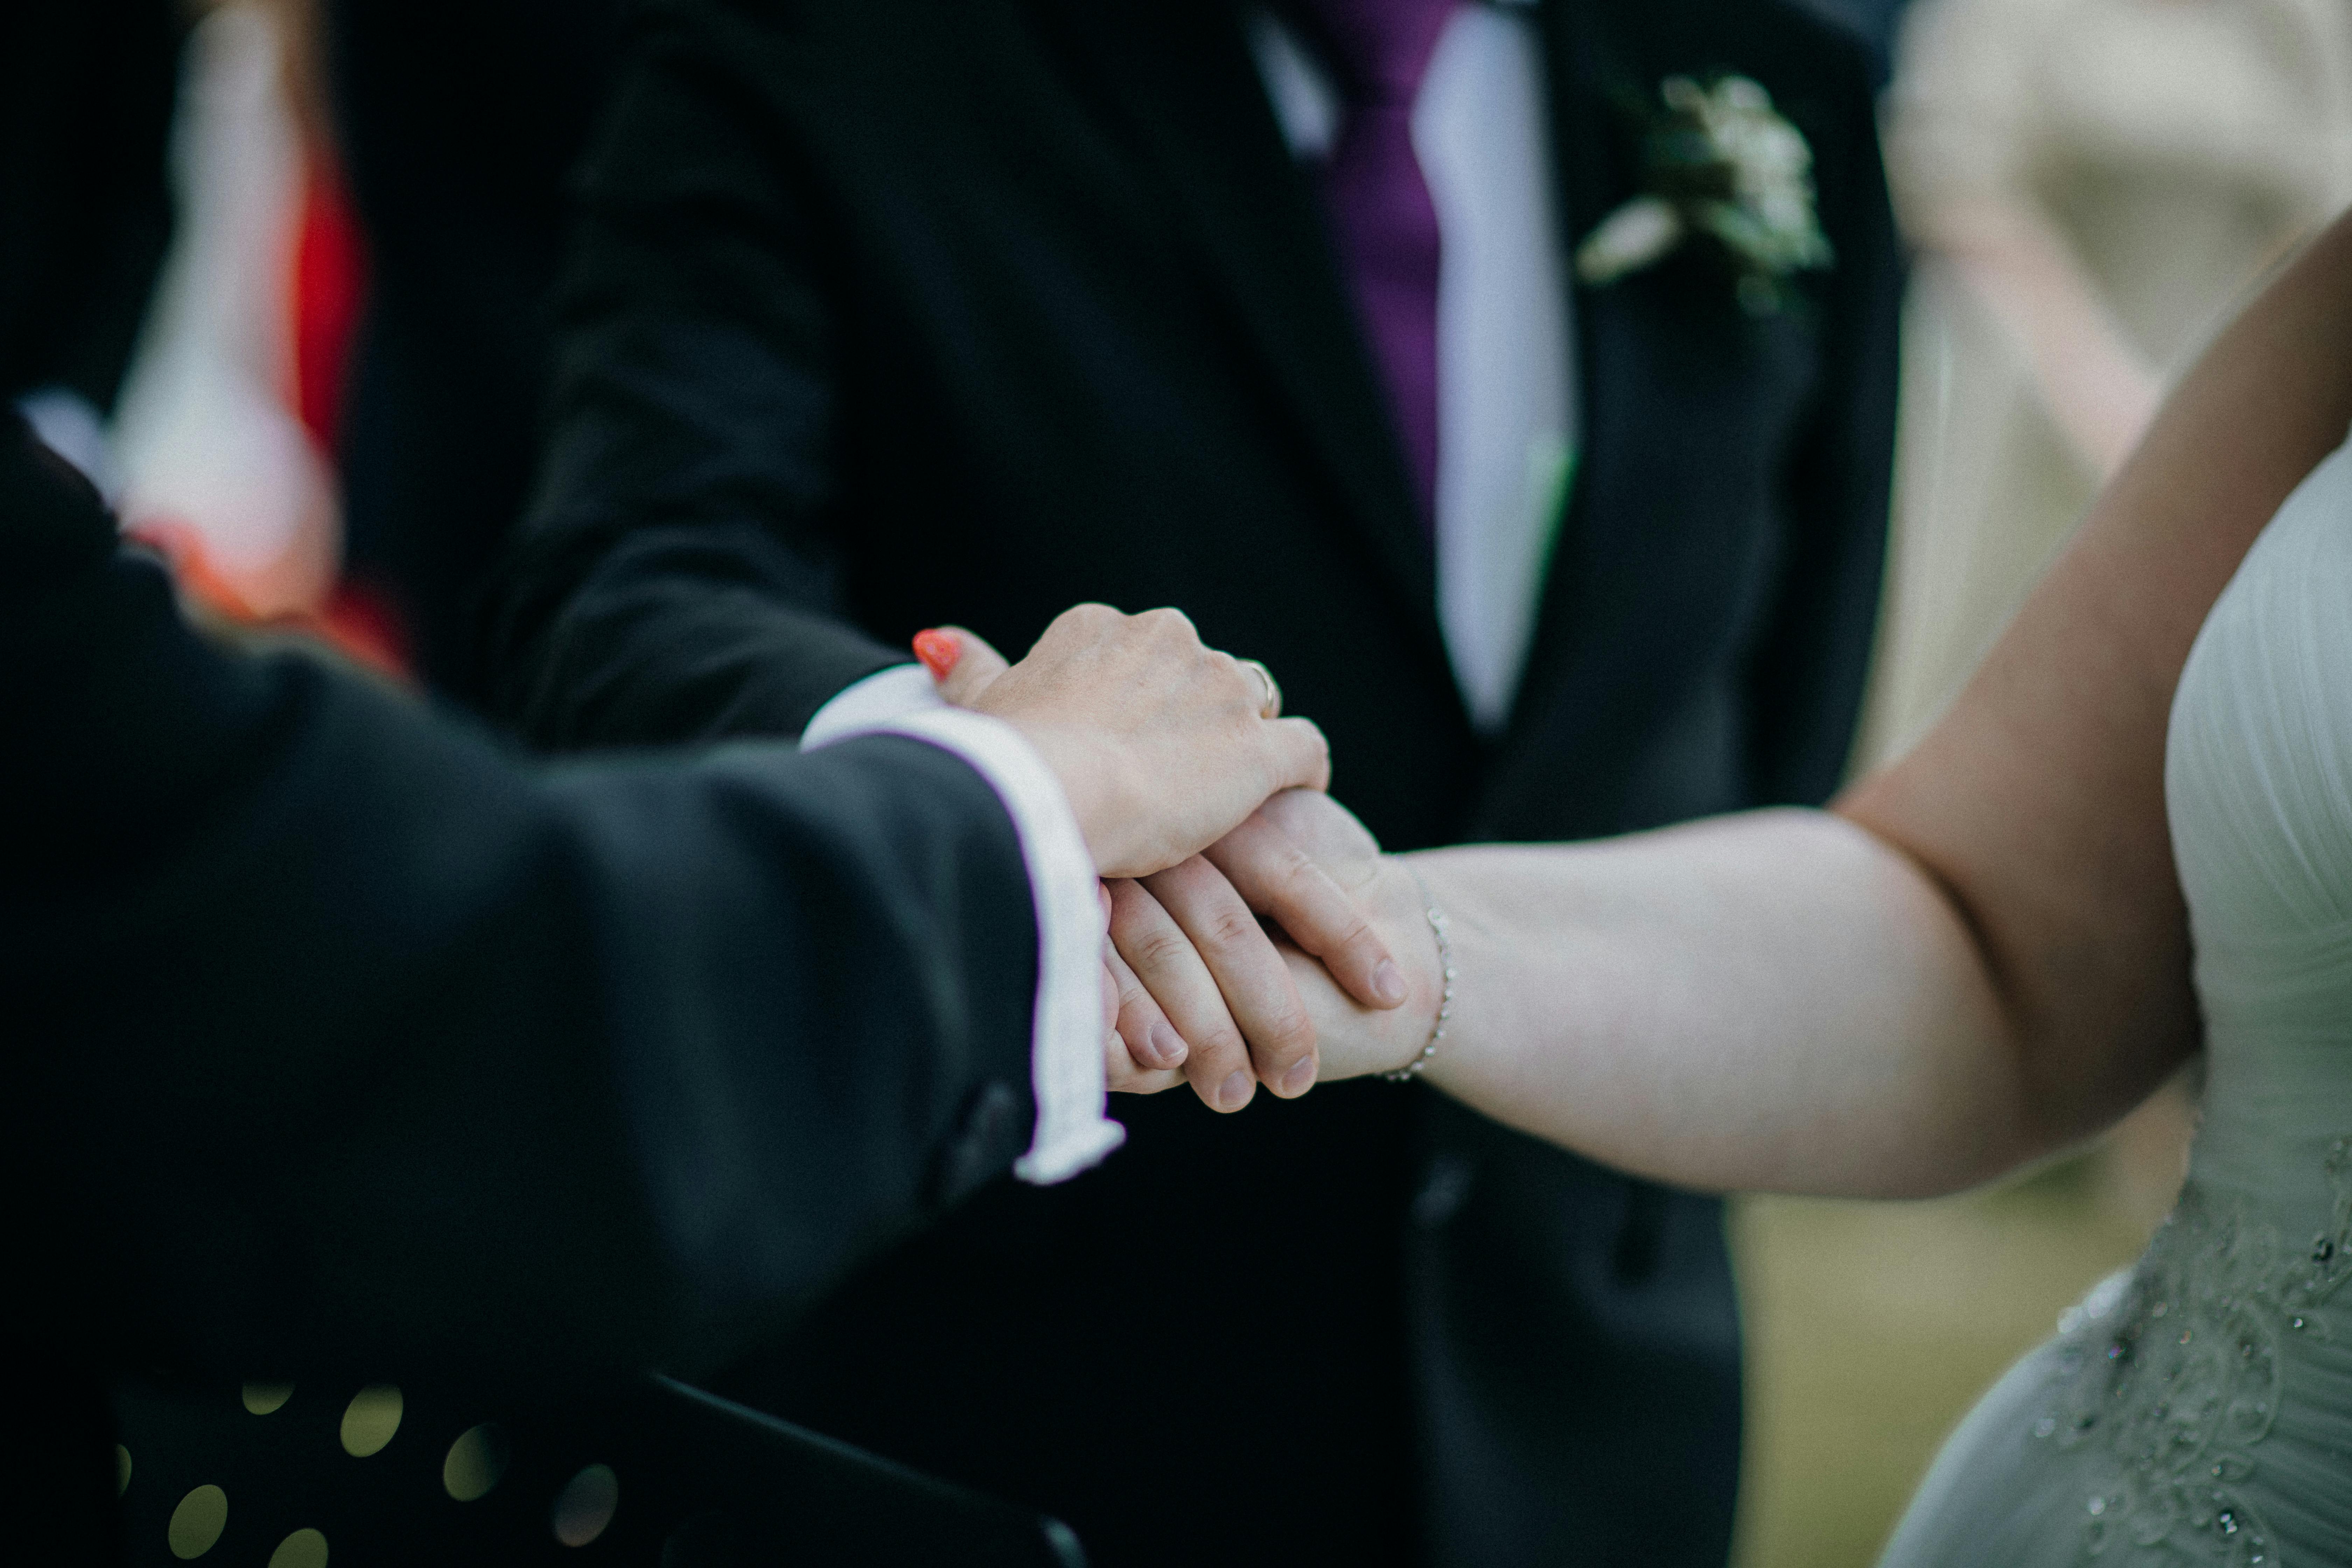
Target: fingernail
1300, 1077
1388, 982
1168, 1043
1234, 1090
939, 652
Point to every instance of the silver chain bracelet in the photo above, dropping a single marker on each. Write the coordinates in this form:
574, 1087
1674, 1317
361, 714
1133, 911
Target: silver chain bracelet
1445, 997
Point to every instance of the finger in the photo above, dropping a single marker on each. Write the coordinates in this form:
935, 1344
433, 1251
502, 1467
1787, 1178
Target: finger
1275, 878
1327, 830
1150, 1038
1111, 957
1249, 975
1301, 757
1216, 1059
1122, 1073
938, 651
1122, 1076
970, 671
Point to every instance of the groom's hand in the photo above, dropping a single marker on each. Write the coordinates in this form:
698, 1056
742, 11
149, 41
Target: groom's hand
1205, 988
1351, 1038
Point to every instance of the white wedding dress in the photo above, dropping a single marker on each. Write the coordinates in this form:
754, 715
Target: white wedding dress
2198, 1408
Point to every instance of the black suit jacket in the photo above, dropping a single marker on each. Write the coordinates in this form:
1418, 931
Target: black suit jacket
892, 312
341, 1042
458, 121
86, 95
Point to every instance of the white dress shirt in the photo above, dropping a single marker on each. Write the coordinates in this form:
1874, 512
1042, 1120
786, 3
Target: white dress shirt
1506, 353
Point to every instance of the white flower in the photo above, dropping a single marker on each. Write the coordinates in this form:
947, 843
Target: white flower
1724, 165
1629, 239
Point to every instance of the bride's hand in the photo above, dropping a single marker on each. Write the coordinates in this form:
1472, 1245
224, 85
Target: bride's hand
1337, 1005
1198, 969
1351, 909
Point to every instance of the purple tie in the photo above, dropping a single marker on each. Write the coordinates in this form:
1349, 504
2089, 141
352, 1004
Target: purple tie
1381, 211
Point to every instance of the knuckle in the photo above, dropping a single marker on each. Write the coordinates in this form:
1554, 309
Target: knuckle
1289, 1035
1334, 924
1294, 867
1230, 925
1222, 1044
1156, 949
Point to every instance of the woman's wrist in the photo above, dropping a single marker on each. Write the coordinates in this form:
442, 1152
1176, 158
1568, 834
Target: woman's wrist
1439, 936
1467, 981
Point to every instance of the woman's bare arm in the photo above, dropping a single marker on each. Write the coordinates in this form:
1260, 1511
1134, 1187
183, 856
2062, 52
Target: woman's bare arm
1980, 955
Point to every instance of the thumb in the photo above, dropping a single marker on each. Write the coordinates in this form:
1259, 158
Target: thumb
961, 663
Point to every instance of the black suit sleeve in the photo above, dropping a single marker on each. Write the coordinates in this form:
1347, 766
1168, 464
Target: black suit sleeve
677, 576
341, 1034
1806, 683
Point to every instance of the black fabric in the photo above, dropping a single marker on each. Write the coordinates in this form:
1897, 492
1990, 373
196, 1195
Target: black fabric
885, 313
459, 120
345, 1044
86, 95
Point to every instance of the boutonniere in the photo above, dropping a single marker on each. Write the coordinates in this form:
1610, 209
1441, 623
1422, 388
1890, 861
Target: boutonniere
1724, 171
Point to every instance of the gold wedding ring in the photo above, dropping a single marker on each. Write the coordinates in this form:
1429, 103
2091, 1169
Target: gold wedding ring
1271, 708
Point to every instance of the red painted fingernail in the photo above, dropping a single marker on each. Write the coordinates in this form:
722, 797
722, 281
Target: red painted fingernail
938, 651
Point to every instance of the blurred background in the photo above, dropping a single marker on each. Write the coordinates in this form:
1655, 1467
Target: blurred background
2090, 186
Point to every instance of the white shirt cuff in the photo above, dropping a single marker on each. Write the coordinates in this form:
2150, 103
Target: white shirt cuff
1074, 1128
861, 705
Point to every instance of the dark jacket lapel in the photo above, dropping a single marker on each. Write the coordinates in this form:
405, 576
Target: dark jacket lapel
1180, 74
1680, 394
1583, 74
1584, 78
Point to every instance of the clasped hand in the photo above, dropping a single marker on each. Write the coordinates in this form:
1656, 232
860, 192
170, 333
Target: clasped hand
1246, 907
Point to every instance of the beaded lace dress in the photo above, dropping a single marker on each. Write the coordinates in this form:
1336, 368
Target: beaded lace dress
2197, 1408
